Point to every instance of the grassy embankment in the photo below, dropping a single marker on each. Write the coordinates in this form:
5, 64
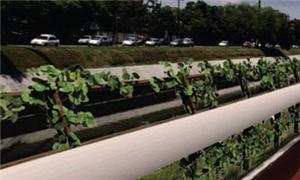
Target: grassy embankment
21, 58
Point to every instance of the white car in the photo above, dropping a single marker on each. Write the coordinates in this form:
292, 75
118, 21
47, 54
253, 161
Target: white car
224, 43
295, 46
45, 40
152, 42
84, 39
176, 42
100, 40
187, 42
131, 41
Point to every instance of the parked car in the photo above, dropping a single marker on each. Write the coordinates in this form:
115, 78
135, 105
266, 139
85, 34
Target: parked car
224, 43
45, 40
249, 44
277, 46
84, 39
187, 42
176, 42
100, 40
295, 46
268, 45
154, 42
130, 41
151, 42
106, 40
163, 41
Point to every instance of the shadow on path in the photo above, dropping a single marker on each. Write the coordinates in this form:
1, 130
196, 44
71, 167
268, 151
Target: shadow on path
8, 68
42, 55
273, 52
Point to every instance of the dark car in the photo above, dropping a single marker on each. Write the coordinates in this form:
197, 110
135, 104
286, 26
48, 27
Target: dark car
249, 44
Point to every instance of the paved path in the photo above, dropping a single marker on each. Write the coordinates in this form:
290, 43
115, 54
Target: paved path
9, 84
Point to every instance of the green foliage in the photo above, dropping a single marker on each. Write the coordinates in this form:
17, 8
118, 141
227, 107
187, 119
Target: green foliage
240, 152
193, 92
295, 68
10, 107
58, 92
177, 79
241, 73
205, 88
202, 92
237, 154
123, 83
274, 75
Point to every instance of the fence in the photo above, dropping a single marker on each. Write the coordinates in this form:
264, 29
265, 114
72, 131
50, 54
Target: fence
138, 153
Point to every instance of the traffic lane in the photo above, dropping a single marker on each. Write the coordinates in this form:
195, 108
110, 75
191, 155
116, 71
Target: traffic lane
118, 45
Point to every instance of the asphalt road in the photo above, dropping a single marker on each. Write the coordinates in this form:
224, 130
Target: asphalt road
62, 45
118, 45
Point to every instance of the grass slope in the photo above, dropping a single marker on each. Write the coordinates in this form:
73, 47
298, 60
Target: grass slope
21, 58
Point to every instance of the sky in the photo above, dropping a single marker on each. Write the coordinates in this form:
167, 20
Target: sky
290, 7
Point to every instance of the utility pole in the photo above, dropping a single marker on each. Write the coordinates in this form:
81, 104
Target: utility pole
259, 6
178, 11
178, 16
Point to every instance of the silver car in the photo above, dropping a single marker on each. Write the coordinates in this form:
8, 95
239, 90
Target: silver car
84, 39
100, 40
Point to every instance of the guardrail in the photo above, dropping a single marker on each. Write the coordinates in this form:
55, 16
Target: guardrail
138, 153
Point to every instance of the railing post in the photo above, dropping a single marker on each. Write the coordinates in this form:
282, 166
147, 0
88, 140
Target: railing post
187, 100
296, 118
276, 130
67, 129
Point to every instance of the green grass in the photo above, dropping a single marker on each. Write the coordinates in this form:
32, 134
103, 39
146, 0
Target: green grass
93, 57
171, 172
294, 51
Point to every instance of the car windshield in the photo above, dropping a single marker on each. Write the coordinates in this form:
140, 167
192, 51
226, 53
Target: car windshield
98, 37
224, 42
153, 39
42, 37
177, 40
85, 37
